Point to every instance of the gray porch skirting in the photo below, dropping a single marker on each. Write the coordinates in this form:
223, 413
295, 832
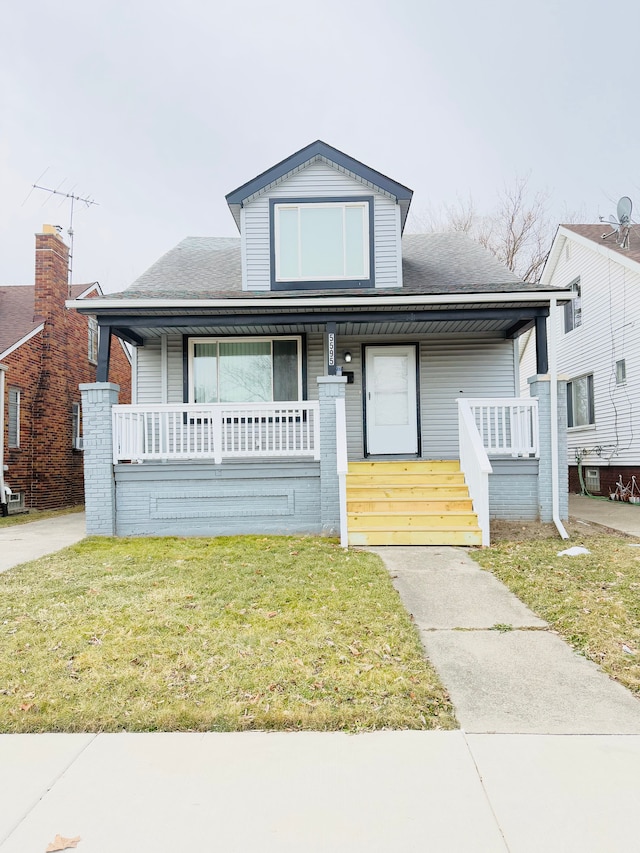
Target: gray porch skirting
204, 499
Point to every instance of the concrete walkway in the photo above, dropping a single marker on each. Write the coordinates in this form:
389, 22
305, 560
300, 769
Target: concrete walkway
615, 514
20, 543
524, 680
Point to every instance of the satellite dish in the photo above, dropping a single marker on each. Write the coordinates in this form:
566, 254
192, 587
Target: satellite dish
622, 225
625, 206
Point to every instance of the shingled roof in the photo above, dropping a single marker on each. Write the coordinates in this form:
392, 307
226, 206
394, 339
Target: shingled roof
17, 318
595, 232
206, 267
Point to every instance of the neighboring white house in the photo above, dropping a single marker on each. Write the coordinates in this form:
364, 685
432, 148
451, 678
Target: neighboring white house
321, 340
597, 338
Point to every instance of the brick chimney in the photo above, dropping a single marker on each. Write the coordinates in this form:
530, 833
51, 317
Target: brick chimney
52, 273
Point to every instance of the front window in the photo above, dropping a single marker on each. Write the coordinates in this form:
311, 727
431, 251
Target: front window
573, 309
580, 408
14, 417
255, 370
321, 242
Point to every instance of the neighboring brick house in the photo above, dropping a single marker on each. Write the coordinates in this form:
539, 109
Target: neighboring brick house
48, 351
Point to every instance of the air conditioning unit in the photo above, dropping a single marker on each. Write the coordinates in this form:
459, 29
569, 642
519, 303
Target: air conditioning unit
15, 502
78, 443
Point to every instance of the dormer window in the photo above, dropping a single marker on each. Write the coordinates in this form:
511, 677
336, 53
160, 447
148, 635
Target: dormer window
320, 243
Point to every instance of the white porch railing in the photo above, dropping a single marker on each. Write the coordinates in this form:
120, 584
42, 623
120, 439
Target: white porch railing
475, 465
508, 426
217, 431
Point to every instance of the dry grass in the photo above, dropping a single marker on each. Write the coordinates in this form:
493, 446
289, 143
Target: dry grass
592, 600
224, 634
36, 515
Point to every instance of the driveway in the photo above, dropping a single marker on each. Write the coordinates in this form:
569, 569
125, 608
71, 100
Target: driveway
20, 543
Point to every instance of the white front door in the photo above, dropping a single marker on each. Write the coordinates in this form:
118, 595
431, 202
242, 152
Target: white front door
391, 410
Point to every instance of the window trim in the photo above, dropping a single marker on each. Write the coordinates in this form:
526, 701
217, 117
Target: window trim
187, 359
93, 336
572, 311
76, 427
322, 283
16, 408
621, 372
590, 402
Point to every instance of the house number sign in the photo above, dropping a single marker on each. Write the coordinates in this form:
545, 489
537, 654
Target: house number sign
331, 349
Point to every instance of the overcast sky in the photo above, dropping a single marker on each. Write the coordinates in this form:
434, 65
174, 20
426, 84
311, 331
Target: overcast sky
157, 110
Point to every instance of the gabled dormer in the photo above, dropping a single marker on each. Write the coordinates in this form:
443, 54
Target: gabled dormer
320, 220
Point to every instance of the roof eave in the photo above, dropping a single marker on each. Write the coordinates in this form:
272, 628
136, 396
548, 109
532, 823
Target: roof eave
237, 197
96, 306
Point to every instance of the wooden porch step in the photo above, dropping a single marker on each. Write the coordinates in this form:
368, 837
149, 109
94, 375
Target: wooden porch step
409, 504
408, 466
401, 521
424, 478
430, 536
447, 491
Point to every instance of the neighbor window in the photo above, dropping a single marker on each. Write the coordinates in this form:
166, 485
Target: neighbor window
573, 309
321, 241
255, 370
621, 372
14, 417
93, 340
580, 408
76, 427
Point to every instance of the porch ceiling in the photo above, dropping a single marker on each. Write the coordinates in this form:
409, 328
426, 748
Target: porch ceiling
508, 319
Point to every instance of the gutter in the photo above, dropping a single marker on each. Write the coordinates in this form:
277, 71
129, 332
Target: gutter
553, 408
137, 303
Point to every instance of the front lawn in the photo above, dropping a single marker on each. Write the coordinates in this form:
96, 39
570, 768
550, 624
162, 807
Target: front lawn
211, 634
592, 600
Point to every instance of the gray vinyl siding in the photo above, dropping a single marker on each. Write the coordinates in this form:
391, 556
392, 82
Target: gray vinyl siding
449, 367
149, 373
318, 179
315, 364
608, 333
174, 369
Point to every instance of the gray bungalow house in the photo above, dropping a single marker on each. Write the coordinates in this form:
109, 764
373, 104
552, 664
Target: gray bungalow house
325, 373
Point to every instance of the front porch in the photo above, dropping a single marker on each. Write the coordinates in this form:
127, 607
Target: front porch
217, 469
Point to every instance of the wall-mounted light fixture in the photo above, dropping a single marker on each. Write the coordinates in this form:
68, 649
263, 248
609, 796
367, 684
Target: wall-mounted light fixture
347, 357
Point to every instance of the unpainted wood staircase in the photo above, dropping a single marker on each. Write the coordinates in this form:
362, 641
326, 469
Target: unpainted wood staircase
410, 503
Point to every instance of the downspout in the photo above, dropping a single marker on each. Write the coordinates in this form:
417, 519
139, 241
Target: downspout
553, 407
3, 496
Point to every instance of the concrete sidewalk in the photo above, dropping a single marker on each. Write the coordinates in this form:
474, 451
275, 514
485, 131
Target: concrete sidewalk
441, 792
20, 543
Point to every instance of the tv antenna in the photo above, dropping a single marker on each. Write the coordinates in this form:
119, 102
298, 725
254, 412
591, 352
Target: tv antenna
73, 198
622, 225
